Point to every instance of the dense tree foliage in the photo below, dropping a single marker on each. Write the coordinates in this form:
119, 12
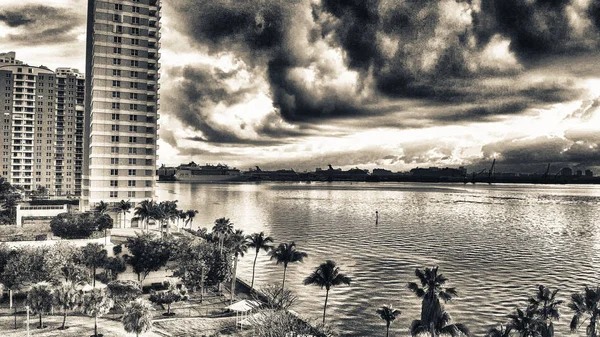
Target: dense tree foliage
79, 225
148, 253
123, 292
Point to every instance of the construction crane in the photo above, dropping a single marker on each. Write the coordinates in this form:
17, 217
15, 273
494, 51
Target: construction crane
492, 171
545, 175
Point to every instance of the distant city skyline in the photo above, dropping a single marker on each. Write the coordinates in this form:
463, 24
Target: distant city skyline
305, 84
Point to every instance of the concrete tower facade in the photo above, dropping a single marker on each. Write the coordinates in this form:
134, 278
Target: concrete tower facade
28, 123
70, 89
122, 76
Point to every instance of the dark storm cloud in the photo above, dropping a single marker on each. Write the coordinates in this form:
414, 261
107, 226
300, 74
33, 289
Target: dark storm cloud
41, 24
537, 28
192, 99
265, 35
15, 19
578, 148
429, 50
198, 89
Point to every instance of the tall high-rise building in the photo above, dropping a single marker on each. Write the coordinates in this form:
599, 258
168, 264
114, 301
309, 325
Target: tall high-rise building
70, 94
121, 101
39, 127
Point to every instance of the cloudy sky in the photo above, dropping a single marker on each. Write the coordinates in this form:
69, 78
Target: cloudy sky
374, 83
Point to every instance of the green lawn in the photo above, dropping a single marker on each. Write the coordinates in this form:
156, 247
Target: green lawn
79, 326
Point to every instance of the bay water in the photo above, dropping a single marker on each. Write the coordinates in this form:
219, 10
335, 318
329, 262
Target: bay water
495, 243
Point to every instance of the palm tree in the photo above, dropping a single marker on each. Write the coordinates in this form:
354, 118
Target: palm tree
170, 211
286, 253
525, 322
431, 291
143, 211
439, 326
189, 216
223, 227
96, 303
124, 207
158, 213
137, 317
388, 314
101, 207
39, 299
67, 298
327, 275
546, 307
586, 304
258, 241
94, 256
499, 332
239, 246
181, 216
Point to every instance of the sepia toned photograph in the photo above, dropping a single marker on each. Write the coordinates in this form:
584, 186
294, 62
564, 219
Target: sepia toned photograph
300, 168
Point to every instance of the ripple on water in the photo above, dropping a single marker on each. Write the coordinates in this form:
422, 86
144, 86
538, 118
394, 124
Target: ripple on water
495, 243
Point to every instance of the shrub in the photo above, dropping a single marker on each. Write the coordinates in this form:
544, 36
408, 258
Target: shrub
74, 225
169, 296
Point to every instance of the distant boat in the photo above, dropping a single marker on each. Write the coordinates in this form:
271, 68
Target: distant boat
207, 173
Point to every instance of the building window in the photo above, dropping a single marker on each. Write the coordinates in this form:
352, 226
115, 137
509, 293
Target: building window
131, 194
114, 161
116, 72
116, 105
133, 139
131, 183
132, 172
114, 183
115, 116
114, 194
114, 139
114, 172
117, 39
132, 161
118, 7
